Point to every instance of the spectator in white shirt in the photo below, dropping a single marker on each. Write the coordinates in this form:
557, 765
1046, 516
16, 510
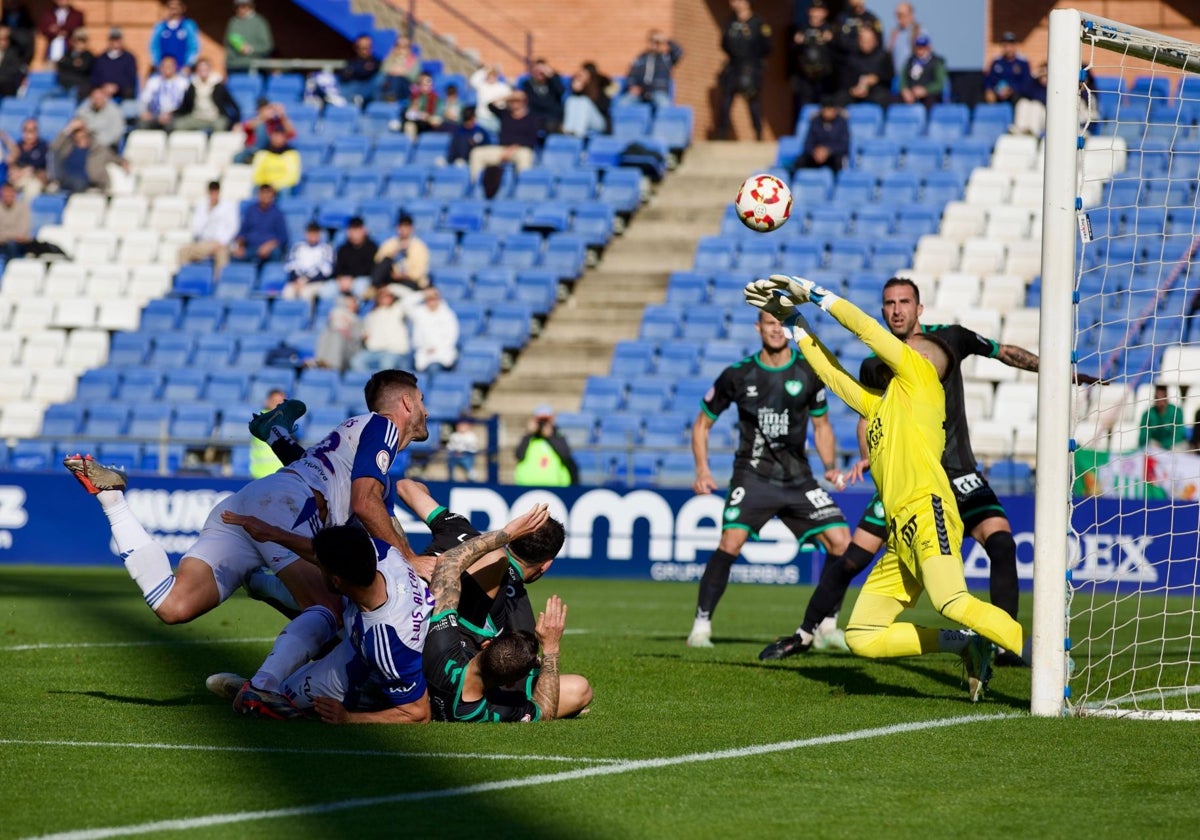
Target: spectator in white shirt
162, 96
102, 117
434, 331
309, 264
386, 342
489, 88
214, 226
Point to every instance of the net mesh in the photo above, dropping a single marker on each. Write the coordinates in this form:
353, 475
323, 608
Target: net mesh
1133, 579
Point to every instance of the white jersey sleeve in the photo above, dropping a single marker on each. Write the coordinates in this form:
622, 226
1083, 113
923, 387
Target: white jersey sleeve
363, 446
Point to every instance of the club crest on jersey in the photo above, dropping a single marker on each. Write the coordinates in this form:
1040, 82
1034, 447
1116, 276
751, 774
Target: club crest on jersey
793, 387
732, 513
751, 390
383, 460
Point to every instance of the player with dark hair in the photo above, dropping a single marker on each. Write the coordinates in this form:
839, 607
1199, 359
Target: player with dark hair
776, 393
982, 514
905, 435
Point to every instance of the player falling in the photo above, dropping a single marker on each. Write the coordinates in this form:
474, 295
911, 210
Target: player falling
905, 437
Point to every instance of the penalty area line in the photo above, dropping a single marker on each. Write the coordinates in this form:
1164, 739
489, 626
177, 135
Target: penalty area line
525, 781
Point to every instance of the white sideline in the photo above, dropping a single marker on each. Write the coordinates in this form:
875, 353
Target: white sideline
298, 751
526, 781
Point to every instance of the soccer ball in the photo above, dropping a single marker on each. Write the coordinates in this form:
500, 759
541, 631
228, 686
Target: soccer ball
763, 203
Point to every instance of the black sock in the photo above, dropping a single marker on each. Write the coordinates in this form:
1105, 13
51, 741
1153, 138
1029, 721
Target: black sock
836, 576
1005, 592
713, 582
286, 449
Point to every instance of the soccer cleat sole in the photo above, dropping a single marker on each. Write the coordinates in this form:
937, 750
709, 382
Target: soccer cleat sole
285, 415
94, 477
225, 685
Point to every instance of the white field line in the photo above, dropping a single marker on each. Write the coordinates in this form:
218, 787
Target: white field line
508, 784
298, 751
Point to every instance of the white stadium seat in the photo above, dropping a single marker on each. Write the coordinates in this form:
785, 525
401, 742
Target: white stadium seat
43, 349
96, 245
184, 147
55, 385
31, 315
1024, 258
139, 248
58, 235
1008, 224
75, 312
106, 282
156, 180
936, 255
237, 182
145, 147
147, 282
23, 279
992, 440
84, 211
10, 347
21, 419
981, 255
1021, 327
982, 369
14, 384
1018, 400
222, 146
957, 290
63, 281
1002, 292
170, 212
127, 213
988, 188
86, 348
123, 315
961, 221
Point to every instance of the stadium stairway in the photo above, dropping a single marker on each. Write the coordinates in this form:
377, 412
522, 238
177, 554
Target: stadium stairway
607, 302
433, 46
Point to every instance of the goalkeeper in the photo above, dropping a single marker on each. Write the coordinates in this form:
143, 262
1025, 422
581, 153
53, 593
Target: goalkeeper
905, 437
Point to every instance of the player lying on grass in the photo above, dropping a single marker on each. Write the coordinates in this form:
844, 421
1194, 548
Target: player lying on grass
374, 675
905, 438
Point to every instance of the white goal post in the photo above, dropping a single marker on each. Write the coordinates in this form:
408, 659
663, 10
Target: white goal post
1115, 266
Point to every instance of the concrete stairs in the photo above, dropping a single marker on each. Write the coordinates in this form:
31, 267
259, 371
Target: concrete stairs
607, 302
433, 46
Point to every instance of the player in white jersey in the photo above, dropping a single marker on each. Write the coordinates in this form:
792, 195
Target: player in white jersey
346, 474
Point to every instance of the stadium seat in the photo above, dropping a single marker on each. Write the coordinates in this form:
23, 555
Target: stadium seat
622, 189
510, 324
877, 156
828, 221
561, 153
948, 121
521, 250
183, 385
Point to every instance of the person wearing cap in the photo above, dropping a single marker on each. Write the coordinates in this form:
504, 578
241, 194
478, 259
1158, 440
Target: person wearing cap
924, 78
177, 36
544, 457
1008, 77
102, 117
214, 227
827, 142
403, 259
247, 37
262, 234
115, 69
75, 68
278, 164
309, 265
56, 25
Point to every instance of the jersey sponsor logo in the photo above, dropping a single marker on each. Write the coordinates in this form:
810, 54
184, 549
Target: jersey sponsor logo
793, 387
908, 531
773, 424
966, 484
383, 460
818, 498
874, 433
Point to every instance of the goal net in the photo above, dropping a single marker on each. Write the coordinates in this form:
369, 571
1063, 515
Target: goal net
1122, 158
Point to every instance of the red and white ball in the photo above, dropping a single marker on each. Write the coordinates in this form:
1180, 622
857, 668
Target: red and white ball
763, 203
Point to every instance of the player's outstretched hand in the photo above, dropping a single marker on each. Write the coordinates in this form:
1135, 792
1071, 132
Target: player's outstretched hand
803, 290
529, 521
764, 295
258, 530
550, 625
857, 471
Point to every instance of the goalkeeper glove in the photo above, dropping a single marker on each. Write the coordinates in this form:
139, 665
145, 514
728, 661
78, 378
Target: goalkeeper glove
803, 290
764, 295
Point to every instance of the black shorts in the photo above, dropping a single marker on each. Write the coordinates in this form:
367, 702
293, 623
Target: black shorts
974, 496
449, 529
806, 509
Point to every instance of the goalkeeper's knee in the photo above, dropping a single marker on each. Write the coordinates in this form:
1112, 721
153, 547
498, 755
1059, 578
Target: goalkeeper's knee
865, 641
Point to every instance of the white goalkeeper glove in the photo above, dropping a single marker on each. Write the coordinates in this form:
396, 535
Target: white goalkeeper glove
765, 295
803, 290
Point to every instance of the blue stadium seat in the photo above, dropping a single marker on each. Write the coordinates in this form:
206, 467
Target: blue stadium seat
285, 87
622, 189
923, 155
565, 254
854, 188
32, 456
505, 216
577, 186
128, 349
687, 287
405, 183
758, 256
665, 430
362, 184
548, 217
183, 385
480, 361
948, 121
899, 189
510, 324
289, 316
660, 323
593, 220
679, 360
431, 148
194, 280
493, 286
877, 155
244, 316
449, 183
967, 155
703, 322
826, 221
904, 121
619, 429
561, 153
937, 189
62, 421
471, 318
391, 150
171, 350
811, 187
874, 222
466, 215
892, 255
990, 120
714, 253
202, 315
604, 151
226, 387
631, 121
339, 121
46, 209
521, 250
214, 352
673, 126
633, 358
847, 255
478, 250
865, 119
109, 420
578, 427
799, 257
124, 456
534, 185
349, 152
196, 422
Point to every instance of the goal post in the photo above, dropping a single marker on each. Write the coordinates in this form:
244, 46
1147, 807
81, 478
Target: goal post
1116, 636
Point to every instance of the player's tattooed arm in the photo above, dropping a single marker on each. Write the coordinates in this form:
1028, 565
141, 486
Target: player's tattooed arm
1018, 357
445, 583
550, 626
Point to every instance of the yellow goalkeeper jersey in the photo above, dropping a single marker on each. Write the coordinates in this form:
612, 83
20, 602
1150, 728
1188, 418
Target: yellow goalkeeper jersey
905, 423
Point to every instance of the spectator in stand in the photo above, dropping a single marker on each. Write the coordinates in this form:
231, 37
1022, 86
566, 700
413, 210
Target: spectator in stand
1162, 423
1029, 114
422, 113
827, 142
902, 40
215, 225
649, 78
490, 88
925, 77
207, 105
434, 332
342, 336
461, 448
15, 15
586, 110
116, 69
402, 259
868, 70
102, 117
309, 265
177, 36
247, 37
15, 223
811, 59
359, 79
28, 160
1007, 78
75, 68
399, 72
262, 234
516, 141
856, 16
56, 24
80, 163
12, 69
162, 96
278, 165
386, 342
451, 109
466, 136
746, 42
544, 91
354, 262
269, 118
544, 457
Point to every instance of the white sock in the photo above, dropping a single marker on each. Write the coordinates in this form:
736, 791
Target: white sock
828, 623
804, 635
298, 642
145, 559
953, 641
702, 625
264, 586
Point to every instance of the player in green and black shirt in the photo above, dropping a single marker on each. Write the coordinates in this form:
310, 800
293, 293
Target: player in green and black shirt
982, 514
776, 393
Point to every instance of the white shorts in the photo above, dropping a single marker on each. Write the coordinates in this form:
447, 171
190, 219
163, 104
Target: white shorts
281, 499
324, 677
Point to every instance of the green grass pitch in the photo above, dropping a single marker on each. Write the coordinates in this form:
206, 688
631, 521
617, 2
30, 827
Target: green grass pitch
106, 730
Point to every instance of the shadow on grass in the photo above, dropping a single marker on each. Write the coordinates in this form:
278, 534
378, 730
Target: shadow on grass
186, 700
